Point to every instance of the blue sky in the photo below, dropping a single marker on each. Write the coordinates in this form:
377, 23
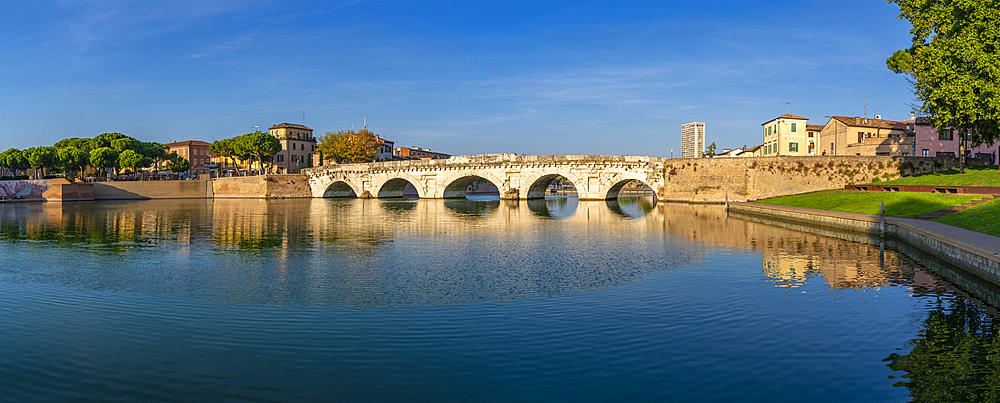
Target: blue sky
462, 77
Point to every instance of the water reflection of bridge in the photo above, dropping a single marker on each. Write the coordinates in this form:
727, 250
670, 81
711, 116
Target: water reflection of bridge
789, 258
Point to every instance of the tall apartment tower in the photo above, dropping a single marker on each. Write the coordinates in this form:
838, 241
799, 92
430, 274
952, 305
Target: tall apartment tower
692, 139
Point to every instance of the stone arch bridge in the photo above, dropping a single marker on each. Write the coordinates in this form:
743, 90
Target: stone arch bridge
596, 177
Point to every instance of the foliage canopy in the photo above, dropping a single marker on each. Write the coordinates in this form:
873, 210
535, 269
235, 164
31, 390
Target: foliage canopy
348, 146
954, 63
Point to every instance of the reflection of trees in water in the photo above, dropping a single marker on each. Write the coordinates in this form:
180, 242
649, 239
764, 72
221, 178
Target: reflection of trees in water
955, 357
553, 207
101, 226
632, 206
471, 208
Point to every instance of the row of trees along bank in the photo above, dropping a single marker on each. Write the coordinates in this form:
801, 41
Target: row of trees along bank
344, 146
258, 146
72, 157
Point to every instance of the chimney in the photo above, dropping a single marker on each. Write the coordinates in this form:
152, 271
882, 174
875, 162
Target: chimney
913, 116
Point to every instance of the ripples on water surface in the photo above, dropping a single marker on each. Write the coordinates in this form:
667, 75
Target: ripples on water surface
373, 300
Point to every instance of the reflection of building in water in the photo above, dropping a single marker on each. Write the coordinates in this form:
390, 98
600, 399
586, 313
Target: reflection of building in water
789, 257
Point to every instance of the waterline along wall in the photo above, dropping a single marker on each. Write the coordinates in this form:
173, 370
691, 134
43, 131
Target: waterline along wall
972, 251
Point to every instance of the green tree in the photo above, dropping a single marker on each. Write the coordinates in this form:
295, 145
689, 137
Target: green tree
710, 150
953, 65
262, 145
130, 159
125, 143
103, 158
105, 139
41, 158
82, 144
13, 159
348, 146
73, 159
179, 164
226, 148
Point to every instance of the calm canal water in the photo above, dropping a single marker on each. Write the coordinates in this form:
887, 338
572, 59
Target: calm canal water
430, 300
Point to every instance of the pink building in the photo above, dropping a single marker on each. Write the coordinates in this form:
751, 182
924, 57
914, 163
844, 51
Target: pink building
930, 143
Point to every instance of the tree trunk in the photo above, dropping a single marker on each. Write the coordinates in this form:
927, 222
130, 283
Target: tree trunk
961, 151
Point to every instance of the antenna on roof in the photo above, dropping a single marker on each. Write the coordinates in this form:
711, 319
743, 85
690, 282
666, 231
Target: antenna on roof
786, 107
303, 119
366, 123
865, 98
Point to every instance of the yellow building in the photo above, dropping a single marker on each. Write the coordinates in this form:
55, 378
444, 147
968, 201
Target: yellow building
786, 135
845, 135
297, 147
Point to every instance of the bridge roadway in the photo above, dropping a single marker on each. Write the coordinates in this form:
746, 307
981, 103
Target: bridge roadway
596, 177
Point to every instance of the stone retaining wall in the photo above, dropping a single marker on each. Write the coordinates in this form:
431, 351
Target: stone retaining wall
743, 179
260, 187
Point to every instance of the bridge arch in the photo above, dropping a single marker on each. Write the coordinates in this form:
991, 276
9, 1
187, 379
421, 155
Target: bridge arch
537, 184
615, 190
340, 189
458, 185
394, 187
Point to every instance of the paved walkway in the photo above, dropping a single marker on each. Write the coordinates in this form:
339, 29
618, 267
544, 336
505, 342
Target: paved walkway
979, 240
986, 243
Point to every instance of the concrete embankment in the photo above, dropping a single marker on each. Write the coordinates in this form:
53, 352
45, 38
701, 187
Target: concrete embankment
972, 251
142, 190
253, 187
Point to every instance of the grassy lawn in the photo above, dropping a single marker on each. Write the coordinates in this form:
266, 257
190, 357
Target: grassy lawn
897, 204
983, 218
974, 176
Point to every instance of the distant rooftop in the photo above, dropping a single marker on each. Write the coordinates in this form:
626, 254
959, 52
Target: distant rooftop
785, 116
290, 126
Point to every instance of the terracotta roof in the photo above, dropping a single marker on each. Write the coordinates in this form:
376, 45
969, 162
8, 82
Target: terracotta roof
814, 128
188, 143
785, 116
923, 120
870, 122
289, 126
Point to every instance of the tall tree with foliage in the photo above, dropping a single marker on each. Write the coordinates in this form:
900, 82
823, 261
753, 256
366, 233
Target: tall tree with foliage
41, 158
72, 159
130, 160
261, 145
103, 158
179, 164
348, 146
954, 64
226, 148
13, 159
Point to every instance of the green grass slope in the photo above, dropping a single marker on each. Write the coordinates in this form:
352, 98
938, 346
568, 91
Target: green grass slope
983, 218
897, 204
973, 176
